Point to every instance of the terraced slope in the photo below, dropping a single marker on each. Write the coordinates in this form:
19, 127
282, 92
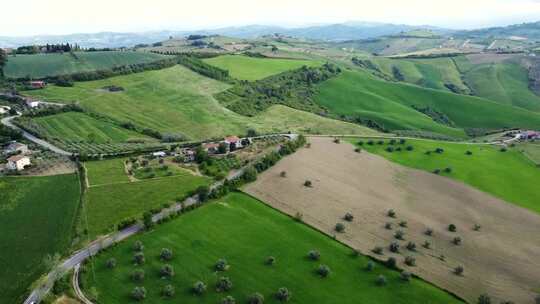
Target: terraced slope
45, 65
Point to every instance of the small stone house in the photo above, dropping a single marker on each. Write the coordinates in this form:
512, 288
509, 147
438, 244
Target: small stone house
16, 148
18, 162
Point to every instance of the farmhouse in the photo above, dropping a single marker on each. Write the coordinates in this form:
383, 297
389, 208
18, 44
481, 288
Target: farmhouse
16, 148
4, 109
529, 135
18, 162
32, 103
37, 84
233, 142
189, 155
211, 148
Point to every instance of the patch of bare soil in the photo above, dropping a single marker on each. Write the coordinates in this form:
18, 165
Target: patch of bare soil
501, 259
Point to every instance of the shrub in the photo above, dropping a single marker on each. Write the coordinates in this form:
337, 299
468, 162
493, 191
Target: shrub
452, 228
349, 217
283, 174
167, 271
270, 260
405, 276
457, 240
392, 142
378, 250
256, 298
388, 226
283, 294
370, 266
355, 253
381, 280
428, 232
314, 255
360, 143
389, 149
410, 261
468, 152
138, 293
199, 288
166, 254
370, 142
221, 265
337, 140
340, 227
224, 284
394, 247
323, 271
298, 216
138, 246
398, 149
411, 246
503, 150
437, 171
380, 142
403, 224
391, 263
426, 245
308, 183
459, 270
400, 235
228, 300
391, 213
484, 299
137, 275
402, 141
477, 227
111, 263
409, 148
168, 291
138, 258
439, 150
448, 170
357, 150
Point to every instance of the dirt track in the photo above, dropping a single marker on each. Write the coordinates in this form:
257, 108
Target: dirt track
502, 259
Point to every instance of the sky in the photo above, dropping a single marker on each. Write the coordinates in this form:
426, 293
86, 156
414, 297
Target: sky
37, 17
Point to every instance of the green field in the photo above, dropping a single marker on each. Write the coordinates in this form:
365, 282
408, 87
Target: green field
177, 100
112, 198
46, 65
245, 232
250, 68
75, 126
531, 151
37, 217
358, 93
507, 175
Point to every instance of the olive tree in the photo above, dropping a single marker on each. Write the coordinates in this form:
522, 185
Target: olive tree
283, 294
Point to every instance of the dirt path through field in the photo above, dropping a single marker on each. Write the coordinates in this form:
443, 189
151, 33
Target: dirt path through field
502, 259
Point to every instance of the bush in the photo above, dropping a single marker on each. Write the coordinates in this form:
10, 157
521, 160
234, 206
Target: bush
459, 270
391, 263
503, 150
400, 235
221, 265
111, 263
402, 141
337, 140
138, 258
457, 241
411, 246
477, 227
370, 142
256, 298
448, 170
452, 228
138, 293
138, 246
392, 142
388, 226
349, 217
167, 271
314, 255
166, 254
429, 232
394, 247
405, 276
403, 224
224, 284
380, 142
283, 174
168, 291
370, 266
199, 288
468, 152
270, 260
437, 171
323, 271
381, 280
439, 150
378, 250
409, 148
357, 150
426, 245
308, 183
340, 227
283, 294
391, 213
389, 149
484, 299
137, 275
410, 261
228, 300
360, 143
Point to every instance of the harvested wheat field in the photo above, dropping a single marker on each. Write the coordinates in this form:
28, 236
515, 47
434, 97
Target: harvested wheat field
502, 259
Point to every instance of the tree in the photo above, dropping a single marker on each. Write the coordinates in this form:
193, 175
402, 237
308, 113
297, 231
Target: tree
394, 247
314, 255
199, 288
484, 299
222, 148
370, 266
166, 271
138, 258
410, 261
308, 183
250, 174
202, 193
200, 155
224, 284
221, 265
166, 254
138, 293
457, 241
403, 224
459, 270
323, 271
452, 228
400, 235
405, 276
340, 227
168, 291
426, 245
391, 263
270, 260
283, 294
391, 213
349, 217
377, 250
147, 220
138, 246
429, 232
137, 275
411, 246
256, 298
111, 263
381, 280
388, 226
228, 300
3, 60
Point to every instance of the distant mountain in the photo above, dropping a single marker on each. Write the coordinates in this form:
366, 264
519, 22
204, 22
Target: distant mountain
527, 30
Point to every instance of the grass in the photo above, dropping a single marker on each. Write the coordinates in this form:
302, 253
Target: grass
177, 100
156, 170
250, 68
75, 126
507, 175
531, 150
245, 232
358, 93
46, 65
36, 219
112, 197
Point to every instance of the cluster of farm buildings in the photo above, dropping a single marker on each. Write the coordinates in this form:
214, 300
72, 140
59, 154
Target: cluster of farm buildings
18, 157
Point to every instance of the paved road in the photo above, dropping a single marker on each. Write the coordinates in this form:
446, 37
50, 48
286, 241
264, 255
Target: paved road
8, 123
